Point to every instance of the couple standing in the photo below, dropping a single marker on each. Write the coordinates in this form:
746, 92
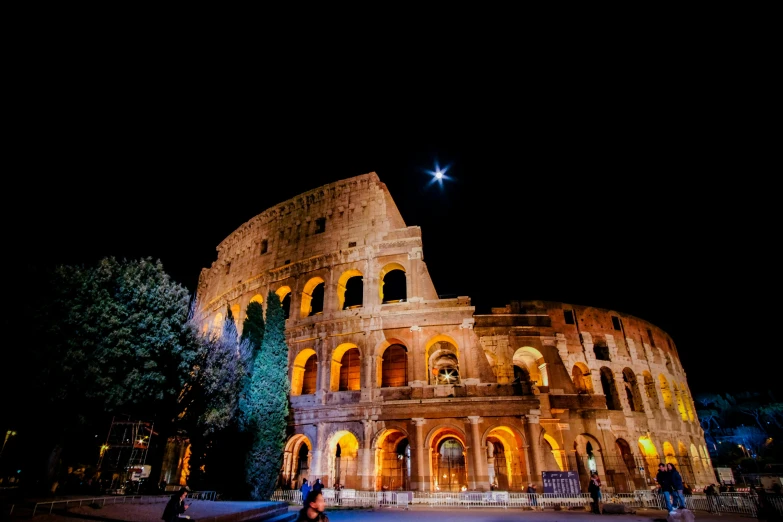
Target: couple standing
670, 484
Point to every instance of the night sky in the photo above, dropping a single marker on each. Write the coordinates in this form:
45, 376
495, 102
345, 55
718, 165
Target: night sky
670, 220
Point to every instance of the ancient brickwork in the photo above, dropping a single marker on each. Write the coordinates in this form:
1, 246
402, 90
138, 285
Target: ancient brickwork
416, 392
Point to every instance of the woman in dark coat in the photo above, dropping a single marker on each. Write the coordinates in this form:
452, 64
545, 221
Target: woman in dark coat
677, 485
176, 506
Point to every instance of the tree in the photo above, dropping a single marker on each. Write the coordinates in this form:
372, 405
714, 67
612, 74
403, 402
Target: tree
268, 404
108, 339
253, 334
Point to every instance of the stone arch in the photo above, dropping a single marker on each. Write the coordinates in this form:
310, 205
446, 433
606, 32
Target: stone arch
668, 453
392, 459
235, 314
533, 361
626, 476
666, 392
392, 365
506, 462
558, 453
343, 459
257, 299
580, 374
442, 360
696, 459
387, 296
217, 325
309, 306
610, 389
650, 454
680, 403
342, 288
284, 293
632, 390
687, 402
449, 462
651, 390
588, 453
345, 372
296, 460
304, 375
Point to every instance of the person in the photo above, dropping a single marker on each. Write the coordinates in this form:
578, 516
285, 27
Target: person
711, 492
594, 488
664, 480
677, 486
305, 489
687, 490
318, 486
175, 506
314, 507
531, 488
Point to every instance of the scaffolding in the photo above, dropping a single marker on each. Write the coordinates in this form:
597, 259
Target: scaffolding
124, 455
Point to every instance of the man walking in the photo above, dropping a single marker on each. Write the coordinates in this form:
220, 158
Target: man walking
664, 480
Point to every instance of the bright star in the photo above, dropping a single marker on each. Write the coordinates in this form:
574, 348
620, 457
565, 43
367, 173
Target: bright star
439, 174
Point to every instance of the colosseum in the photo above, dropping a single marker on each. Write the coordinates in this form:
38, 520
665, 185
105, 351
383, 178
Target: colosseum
393, 387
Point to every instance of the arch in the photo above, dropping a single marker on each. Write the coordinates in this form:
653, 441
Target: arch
580, 374
668, 453
397, 291
650, 454
687, 403
610, 389
443, 364
305, 372
587, 451
632, 390
533, 361
394, 366
235, 314
343, 462
392, 460
680, 402
666, 392
257, 299
557, 452
506, 465
310, 306
354, 298
448, 465
696, 459
626, 477
217, 325
296, 461
651, 391
346, 368
284, 293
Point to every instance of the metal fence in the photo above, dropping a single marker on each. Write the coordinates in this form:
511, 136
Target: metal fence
126, 499
740, 503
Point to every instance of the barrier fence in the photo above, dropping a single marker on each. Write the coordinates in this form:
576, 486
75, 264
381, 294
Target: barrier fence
740, 503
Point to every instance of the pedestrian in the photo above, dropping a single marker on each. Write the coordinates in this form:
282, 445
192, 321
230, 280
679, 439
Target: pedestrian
664, 480
531, 490
305, 489
176, 506
594, 488
314, 507
711, 492
677, 485
318, 486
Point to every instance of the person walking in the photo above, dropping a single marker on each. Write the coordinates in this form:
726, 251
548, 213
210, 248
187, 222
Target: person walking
313, 510
677, 485
711, 492
318, 486
176, 506
305, 489
594, 488
664, 480
531, 490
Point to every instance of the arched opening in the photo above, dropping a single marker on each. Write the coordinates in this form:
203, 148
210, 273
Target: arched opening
393, 461
296, 461
580, 374
255, 299
343, 450
284, 293
678, 394
557, 459
393, 284
651, 459
443, 361
313, 297
350, 364
601, 350
650, 389
696, 462
506, 467
666, 392
626, 476
610, 390
588, 458
632, 390
686, 468
394, 366
305, 373
350, 290
668, 453
531, 360
449, 463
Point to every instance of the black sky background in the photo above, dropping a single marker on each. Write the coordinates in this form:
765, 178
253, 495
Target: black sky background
656, 203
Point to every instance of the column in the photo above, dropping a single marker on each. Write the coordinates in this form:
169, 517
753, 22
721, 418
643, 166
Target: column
480, 478
533, 432
420, 481
317, 467
365, 454
417, 364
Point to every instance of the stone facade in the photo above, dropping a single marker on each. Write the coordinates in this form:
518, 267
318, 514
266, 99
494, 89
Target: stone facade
416, 392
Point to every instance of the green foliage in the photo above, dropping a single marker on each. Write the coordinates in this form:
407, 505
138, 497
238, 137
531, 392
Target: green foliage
253, 327
267, 414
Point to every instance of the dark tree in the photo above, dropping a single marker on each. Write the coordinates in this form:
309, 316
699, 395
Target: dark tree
268, 404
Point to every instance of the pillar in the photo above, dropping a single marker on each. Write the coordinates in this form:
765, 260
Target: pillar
480, 478
420, 480
533, 433
367, 472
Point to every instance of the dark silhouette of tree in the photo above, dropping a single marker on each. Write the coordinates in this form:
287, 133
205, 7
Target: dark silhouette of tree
268, 404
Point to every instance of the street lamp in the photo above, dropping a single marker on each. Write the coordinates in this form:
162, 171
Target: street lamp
8, 435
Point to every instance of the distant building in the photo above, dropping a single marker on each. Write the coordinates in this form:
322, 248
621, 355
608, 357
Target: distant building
393, 387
